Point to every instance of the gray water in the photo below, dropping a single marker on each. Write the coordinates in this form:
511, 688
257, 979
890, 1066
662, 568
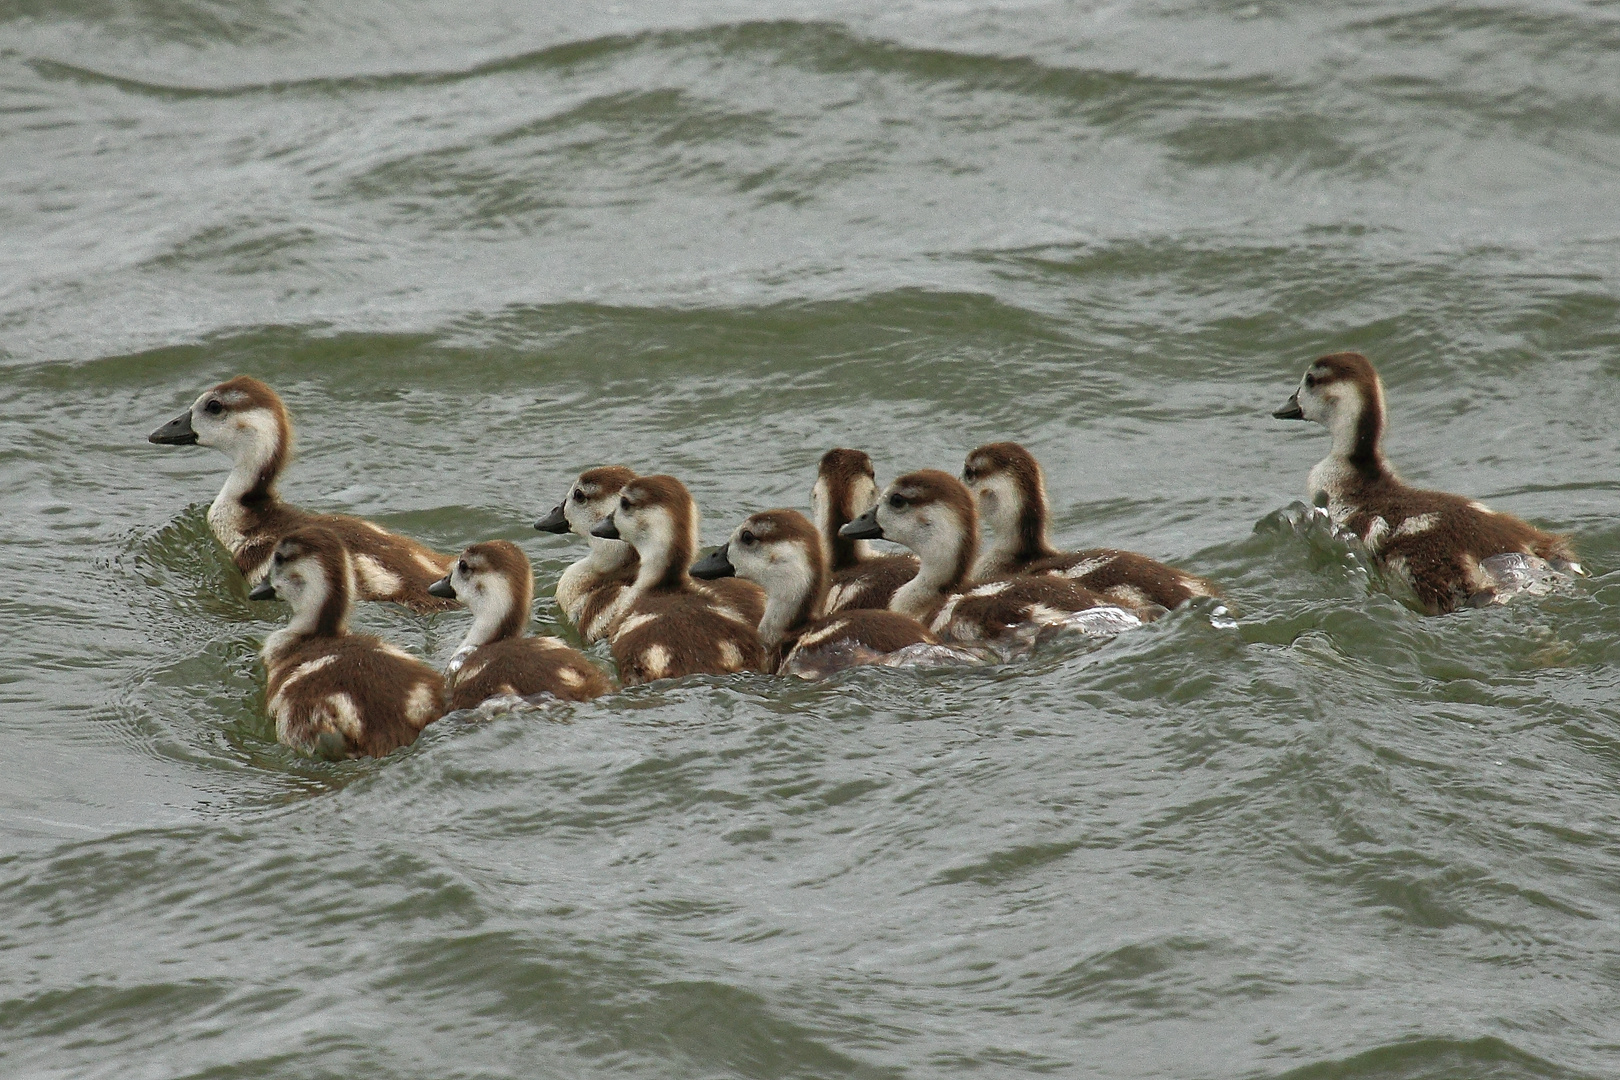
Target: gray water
480, 247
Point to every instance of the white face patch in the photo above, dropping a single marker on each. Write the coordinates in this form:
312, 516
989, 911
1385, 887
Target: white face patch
999, 504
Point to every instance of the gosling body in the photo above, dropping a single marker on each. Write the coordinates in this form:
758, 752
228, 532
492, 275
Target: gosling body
933, 514
331, 692
845, 488
1010, 494
1440, 544
672, 627
780, 551
498, 658
246, 420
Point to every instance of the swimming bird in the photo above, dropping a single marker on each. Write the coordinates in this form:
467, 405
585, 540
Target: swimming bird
329, 691
1450, 549
498, 658
780, 551
245, 420
932, 513
845, 488
589, 589
671, 626
1010, 490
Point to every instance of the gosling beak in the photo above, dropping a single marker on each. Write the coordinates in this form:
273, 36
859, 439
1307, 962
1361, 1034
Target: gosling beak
865, 527
442, 589
177, 432
1291, 409
716, 564
263, 591
553, 522
606, 529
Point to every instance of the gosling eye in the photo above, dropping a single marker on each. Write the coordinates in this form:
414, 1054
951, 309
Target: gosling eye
214, 407
747, 537
462, 566
578, 495
280, 558
624, 503
897, 501
1310, 380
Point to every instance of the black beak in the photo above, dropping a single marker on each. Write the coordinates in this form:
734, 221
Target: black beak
554, 522
263, 591
716, 564
442, 589
865, 527
177, 432
606, 529
1291, 409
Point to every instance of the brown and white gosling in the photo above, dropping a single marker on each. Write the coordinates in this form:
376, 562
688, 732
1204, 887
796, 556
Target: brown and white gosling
498, 658
845, 489
780, 551
1451, 550
589, 589
671, 626
245, 419
331, 692
932, 513
1010, 490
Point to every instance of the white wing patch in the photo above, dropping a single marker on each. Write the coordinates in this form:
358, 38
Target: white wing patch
305, 669
1087, 566
635, 622
1414, 526
341, 711
815, 638
994, 588
431, 565
422, 705
570, 678
376, 578
1377, 532
730, 655
656, 661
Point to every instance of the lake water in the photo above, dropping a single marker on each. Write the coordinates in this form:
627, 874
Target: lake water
479, 247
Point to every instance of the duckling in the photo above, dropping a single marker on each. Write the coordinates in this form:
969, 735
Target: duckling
932, 513
1450, 549
671, 627
329, 691
497, 658
588, 590
592, 591
781, 551
845, 488
1011, 492
246, 420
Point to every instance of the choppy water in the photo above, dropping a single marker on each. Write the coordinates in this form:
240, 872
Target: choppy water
478, 247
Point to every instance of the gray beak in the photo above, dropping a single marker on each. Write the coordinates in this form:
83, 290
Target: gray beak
1290, 409
606, 529
865, 527
716, 564
442, 589
554, 522
177, 432
263, 591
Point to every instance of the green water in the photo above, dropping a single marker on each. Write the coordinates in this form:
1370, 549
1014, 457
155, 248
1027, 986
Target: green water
480, 247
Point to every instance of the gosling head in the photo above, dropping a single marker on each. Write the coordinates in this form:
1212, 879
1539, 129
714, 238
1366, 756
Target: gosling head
311, 571
1010, 493
241, 417
1342, 391
495, 582
778, 550
591, 497
932, 513
657, 517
